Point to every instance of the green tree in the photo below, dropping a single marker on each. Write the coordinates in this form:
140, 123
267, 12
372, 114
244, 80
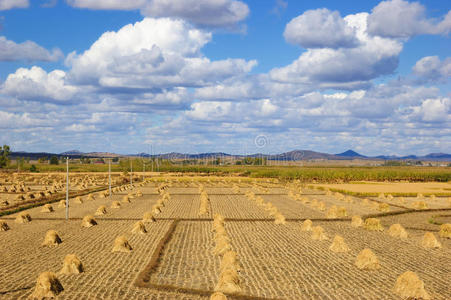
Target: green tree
33, 168
54, 160
5, 151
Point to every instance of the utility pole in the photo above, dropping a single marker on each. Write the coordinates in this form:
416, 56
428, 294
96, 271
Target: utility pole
67, 188
131, 171
109, 176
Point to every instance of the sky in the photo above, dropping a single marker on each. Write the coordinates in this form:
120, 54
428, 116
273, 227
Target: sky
196, 76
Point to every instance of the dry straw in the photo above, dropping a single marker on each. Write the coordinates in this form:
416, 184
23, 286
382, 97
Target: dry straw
367, 260
279, 219
429, 241
62, 203
373, 224
322, 206
306, 225
218, 296
101, 210
23, 217
52, 239
342, 212
339, 245
356, 221
88, 221
47, 208
445, 231
115, 204
318, 233
4, 226
396, 230
420, 205
121, 244
148, 217
384, 207
47, 286
72, 265
332, 213
78, 200
156, 209
409, 286
126, 199
139, 228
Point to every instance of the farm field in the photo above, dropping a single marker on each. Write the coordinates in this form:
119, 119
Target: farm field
189, 237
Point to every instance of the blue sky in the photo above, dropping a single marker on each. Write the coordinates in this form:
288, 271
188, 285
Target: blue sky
217, 75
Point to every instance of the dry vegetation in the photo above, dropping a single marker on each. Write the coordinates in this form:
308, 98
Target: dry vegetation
193, 237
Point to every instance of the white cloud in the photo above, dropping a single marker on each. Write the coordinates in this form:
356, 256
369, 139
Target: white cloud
431, 67
10, 4
320, 28
37, 84
30, 51
435, 110
373, 57
215, 13
403, 19
153, 53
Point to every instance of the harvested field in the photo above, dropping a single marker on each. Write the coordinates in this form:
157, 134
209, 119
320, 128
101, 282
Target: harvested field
176, 255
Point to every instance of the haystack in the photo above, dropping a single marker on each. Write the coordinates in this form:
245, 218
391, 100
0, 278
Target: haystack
332, 213
121, 245
90, 197
148, 217
47, 208
139, 228
218, 296
429, 241
420, 205
384, 207
47, 286
62, 203
4, 226
445, 231
367, 260
23, 217
52, 239
71, 265
396, 230
228, 282
314, 203
373, 224
126, 199
4, 202
279, 219
356, 221
409, 286
322, 206
342, 212
230, 258
222, 246
78, 200
88, 221
116, 204
101, 210
306, 225
339, 245
318, 233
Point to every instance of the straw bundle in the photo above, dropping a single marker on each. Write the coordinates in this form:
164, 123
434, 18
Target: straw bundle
384, 207
121, 245
218, 296
420, 205
342, 212
101, 210
71, 265
139, 228
367, 260
338, 245
396, 230
47, 286
47, 208
429, 241
332, 213
126, 199
409, 286
373, 224
88, 221
306, 225
52, 239
356, 221
4, 226
23, 217
148, 217
279, 219
318, 234
116, 205
445, 231
322, 206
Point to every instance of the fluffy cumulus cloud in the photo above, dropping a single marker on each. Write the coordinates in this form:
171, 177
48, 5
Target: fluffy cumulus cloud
344, 67
432, 68
153, 53
320, 28
28, 50
403, 19
37, 84
214, 13
10, 4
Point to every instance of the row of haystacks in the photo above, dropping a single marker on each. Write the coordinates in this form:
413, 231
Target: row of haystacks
229, 279
204, 203
272, 210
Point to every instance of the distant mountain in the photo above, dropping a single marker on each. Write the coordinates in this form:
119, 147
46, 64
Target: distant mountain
288, 156
351, 153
